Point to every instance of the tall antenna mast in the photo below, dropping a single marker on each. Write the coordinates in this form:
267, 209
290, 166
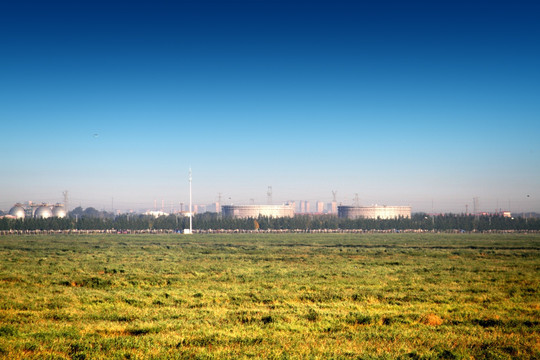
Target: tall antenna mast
190, 205
356, 200
269, 195
65, 193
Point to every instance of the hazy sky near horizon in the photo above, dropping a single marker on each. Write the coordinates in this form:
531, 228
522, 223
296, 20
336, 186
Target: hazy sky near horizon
418, 103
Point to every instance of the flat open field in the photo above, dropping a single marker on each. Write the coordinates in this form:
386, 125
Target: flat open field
270, 296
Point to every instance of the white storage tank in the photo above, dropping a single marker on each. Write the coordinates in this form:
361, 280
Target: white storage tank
43, 212
17, 211
374, 212
59, 211
254, 211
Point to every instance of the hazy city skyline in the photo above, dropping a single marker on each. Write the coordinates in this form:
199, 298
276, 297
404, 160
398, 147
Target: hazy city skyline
421, 104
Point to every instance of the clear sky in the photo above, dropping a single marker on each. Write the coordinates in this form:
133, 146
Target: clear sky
427, 104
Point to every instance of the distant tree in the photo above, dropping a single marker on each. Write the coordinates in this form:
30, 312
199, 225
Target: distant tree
91, 212
92, 219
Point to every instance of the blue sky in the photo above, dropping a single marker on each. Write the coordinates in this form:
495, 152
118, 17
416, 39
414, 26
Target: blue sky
422, 104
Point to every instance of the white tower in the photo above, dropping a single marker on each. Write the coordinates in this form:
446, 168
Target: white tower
190, 230
190, 206
269, 196
66, 199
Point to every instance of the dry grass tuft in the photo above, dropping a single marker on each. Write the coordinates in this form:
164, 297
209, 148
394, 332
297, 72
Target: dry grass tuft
431, 319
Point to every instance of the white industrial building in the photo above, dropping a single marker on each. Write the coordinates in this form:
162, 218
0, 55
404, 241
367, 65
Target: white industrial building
374, 212
254, 211
41, 211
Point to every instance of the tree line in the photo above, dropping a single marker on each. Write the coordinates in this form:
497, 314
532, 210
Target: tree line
91, 219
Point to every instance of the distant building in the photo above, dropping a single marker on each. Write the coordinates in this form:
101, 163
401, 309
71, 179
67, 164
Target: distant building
254, 211
302, 206
374, 212
333, 207
293, 205
156, 213
214, 207
41, 211
319, 207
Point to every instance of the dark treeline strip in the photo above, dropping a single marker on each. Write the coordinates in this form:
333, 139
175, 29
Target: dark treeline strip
214, 221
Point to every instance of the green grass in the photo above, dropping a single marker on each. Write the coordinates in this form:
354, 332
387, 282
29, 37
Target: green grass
343, 296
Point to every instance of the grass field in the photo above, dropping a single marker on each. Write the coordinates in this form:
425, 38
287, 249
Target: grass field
270, 296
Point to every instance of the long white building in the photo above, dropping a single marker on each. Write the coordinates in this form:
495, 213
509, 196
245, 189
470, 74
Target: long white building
374, 212
254, 211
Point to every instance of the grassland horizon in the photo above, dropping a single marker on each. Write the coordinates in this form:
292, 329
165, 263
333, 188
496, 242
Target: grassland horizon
229, 296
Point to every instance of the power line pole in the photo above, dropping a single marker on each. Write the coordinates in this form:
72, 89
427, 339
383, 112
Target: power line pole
66, 199
190, 205
269, 195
